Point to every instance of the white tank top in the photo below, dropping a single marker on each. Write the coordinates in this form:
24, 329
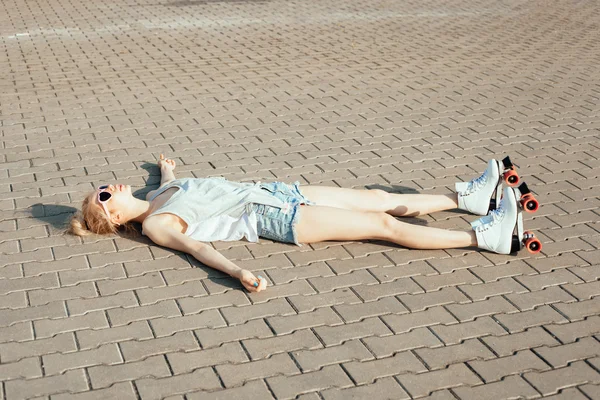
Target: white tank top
203, 204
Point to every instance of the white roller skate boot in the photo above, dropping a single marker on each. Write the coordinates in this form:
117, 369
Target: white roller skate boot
476, 196
495, 231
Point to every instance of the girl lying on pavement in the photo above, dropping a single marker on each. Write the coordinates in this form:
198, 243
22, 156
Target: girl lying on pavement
184, 213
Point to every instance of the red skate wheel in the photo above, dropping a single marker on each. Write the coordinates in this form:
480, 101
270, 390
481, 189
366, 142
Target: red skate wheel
529, 203
533, 245
511, 178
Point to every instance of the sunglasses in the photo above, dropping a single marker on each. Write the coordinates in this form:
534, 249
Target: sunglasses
103, 197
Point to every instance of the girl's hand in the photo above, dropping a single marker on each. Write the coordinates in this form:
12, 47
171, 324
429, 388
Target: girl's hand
166, 164
251, 283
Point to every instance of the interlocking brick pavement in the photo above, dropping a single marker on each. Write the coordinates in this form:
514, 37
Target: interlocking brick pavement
407, 96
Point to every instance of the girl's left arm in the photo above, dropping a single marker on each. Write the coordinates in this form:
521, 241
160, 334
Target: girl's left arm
206, 254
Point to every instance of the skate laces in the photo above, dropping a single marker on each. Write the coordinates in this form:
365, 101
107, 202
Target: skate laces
493, 217
476, 183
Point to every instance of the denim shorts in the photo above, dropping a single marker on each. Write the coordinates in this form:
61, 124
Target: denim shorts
280, 223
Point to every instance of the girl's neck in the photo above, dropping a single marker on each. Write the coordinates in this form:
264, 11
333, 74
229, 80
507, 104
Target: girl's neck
139, 211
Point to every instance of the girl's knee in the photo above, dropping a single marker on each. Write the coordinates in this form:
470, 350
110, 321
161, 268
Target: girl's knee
389, 224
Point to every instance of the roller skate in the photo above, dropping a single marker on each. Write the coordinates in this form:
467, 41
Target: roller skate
482, 194
496, 231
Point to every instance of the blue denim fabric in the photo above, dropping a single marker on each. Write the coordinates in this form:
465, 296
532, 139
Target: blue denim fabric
280, 223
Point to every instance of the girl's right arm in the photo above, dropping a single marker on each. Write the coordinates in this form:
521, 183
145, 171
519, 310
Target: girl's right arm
206, 254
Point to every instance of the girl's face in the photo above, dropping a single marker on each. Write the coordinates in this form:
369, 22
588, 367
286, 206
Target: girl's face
114, 199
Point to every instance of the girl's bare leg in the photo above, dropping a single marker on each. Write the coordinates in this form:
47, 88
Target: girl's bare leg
376, 200
318, 223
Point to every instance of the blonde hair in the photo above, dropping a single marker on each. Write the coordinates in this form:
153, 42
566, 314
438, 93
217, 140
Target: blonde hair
92, 220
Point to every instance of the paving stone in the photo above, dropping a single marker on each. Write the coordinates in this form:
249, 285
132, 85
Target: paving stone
389, 274
152, 280
435, 282
33, 259
560, 356
591, 390
310, 360
288, 324
59, 363
517, 322
177, 265
17, 332
564, 260
89, 339
583, 291
496, 288
388, 345
119, 300
539, 282
587, 273
124, 316
570, 332
494, 370
493, 273
289, 387
441, 395
103, 376
183, 362
357, 312
138, 350
250, 391
262, 348
99, 260
13, 300
332, 335
420, 302
422, 384
446, 265
237, 374
28, 388
286, 275
368, 371
511, 387
441, 357
408, 322
529, 301
342, 266
193, 305
549, 382
308, 257
45, 265
300, 287
210, 337
312, 302
384, 389
50, 327
14, 351
508, 344
168, 326
70, 278
26, 368
490, 306
455, 333
378, 291
240, 315
45, 281
580, 309
122, 390
328, 284
156, 294
204, 379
